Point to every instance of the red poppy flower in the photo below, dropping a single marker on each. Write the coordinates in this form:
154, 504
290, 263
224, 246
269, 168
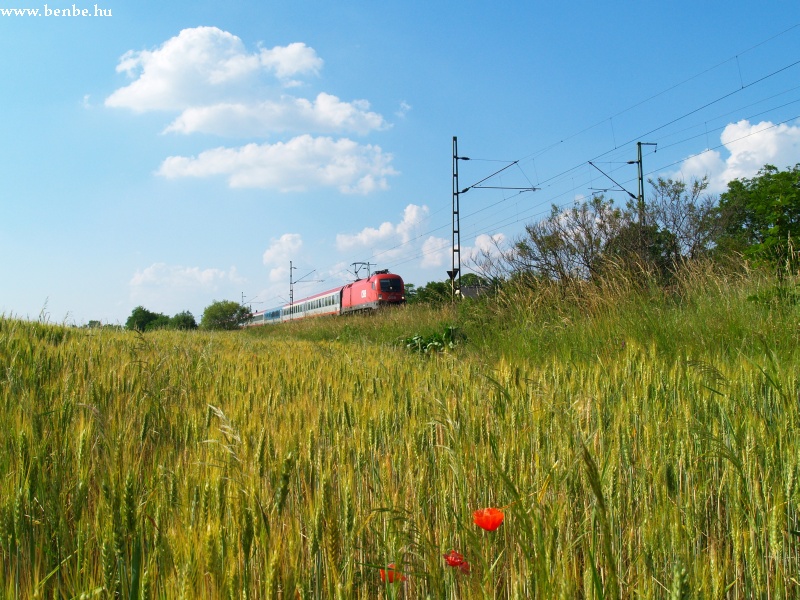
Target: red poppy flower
456, 560
390, 575
488, 518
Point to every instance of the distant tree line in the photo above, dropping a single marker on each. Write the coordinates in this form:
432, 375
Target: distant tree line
220, 314
142, 319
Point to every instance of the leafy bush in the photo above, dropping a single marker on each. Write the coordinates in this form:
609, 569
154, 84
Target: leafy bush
435, 342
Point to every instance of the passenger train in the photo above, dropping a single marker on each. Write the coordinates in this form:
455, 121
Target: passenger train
380, 289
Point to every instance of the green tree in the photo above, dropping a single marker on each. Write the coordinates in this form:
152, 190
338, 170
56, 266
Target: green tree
650, 245
434, 292
683, 214
474, 280
142, 319
160, 322
571, 242
762, 214
224, 314
183, 320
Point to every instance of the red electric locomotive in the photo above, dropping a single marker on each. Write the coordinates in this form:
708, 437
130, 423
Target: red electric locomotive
380, 289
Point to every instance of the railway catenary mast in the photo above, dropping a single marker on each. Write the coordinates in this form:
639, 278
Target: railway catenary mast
455, 272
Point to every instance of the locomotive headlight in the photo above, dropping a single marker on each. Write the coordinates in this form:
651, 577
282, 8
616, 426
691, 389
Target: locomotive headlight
380, 296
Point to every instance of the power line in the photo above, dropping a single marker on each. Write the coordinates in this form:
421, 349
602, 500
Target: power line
659, 94
559, 177
576, 167
512, 221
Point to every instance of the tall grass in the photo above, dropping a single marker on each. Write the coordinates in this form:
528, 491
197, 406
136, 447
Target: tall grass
641, 444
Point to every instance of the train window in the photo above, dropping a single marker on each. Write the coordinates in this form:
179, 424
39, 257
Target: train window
394, 284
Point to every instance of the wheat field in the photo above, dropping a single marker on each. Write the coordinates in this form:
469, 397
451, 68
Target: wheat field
270, 465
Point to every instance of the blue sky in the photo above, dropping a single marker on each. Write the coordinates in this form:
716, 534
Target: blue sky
173, 154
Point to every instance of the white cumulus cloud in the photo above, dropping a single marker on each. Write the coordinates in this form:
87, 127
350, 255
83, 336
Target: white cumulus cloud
217, 86
301, 163
291, 60
489, 244
281, 249
326, 114
386, 232
162, 274
436, 252
200, 66
749, 146
279, 253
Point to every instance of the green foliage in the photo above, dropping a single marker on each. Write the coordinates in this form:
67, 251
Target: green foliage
570, 243
439, 293
650, 247
434, 292
183, 320
224, 315
684, 217
435, 342
142, 319
762, 214
160, 322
